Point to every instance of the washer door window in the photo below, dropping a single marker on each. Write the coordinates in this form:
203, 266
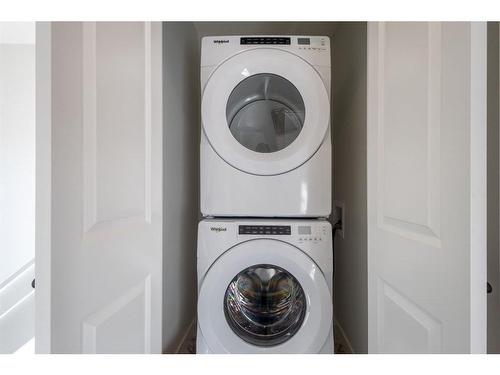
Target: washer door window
265, 111
264, 296
265, 305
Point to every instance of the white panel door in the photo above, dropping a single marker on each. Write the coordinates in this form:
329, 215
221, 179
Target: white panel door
427, 187
105, 215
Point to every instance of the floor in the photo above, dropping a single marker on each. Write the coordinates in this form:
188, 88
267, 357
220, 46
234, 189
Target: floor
189, 345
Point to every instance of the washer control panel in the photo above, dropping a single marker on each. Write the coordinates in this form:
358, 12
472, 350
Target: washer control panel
315, 234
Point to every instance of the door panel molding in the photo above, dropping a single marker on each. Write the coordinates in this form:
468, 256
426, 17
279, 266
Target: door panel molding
94, 156
395, 214
431, 327
92, 326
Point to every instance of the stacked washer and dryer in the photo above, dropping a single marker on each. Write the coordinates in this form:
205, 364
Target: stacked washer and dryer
265, 259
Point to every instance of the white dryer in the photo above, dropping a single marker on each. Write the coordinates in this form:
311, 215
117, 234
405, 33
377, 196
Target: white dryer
265, 111
265, 286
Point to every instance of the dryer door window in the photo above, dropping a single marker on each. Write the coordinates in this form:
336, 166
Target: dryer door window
265, 305
265, 112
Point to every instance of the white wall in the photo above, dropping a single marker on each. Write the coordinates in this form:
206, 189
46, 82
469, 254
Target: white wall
349, 181
181, 145
17, 153
17, 184
493, 189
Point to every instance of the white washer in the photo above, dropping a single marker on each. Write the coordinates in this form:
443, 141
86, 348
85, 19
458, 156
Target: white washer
264, 286
265, 111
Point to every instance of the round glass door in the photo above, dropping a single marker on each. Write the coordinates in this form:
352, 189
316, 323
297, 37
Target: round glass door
265, 112
264, 305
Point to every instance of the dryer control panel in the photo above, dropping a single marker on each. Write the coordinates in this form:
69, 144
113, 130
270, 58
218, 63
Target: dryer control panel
274, 230
264, 40
315, 49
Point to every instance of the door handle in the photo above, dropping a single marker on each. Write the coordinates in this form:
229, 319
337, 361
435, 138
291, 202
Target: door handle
33, 284
489, 289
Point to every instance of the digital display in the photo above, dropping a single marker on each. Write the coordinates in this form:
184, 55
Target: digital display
264, 40
304, 230
303, 41
265, 229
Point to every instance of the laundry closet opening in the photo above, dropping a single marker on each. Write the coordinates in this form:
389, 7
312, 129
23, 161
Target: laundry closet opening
182, 126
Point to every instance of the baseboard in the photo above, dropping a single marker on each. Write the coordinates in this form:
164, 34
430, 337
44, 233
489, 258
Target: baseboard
344, 336
185, 336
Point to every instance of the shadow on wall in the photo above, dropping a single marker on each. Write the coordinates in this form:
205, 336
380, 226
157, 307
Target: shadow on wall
350, 179
180, 179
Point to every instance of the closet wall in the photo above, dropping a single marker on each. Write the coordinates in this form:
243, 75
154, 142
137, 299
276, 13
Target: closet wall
349, 181
181, 134
493, 188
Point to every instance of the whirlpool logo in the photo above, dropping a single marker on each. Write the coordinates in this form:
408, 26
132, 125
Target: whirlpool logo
218, 229
221, 41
